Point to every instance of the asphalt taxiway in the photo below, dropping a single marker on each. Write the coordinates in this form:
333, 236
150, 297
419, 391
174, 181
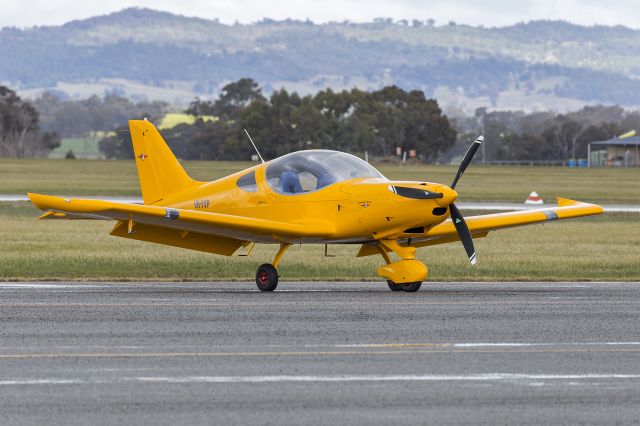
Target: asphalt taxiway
319, 353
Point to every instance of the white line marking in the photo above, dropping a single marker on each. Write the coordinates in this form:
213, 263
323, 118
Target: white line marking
123, 199
301, 285
41, 382
387, 378
491, 377
516, 344
51, 286
480, 344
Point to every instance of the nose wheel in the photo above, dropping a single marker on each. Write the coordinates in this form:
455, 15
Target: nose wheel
408, 287
267, 277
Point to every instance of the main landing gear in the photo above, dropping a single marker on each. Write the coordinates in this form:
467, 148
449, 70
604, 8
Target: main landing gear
267, 274
406, 269
267, 277
408, 287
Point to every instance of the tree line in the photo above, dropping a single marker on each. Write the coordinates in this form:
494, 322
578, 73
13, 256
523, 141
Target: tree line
20, 134
78, 118
542, 136
355, 121
34, 128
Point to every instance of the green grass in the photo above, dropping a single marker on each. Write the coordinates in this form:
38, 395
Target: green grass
598, 248
496, 183
81, 147
91, 177
173, 119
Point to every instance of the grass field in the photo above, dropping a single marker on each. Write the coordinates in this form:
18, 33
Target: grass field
598, 248
81, 147
606, 247
497, 183
173, 119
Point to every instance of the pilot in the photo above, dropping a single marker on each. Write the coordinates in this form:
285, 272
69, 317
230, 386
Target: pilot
325, 179
290, 182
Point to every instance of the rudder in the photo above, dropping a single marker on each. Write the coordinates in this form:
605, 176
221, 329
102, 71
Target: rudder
159, 171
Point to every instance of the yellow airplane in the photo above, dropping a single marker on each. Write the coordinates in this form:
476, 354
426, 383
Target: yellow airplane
306, 197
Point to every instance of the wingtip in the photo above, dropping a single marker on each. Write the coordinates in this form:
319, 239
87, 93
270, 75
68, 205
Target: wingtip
562, 202
480, 139
567, 202
35, 199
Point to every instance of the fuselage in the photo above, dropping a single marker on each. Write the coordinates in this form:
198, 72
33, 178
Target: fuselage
352, 210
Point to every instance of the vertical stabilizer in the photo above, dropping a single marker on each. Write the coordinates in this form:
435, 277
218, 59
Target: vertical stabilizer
160, 173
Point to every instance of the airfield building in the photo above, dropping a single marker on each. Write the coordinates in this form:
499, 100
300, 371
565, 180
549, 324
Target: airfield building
615, 153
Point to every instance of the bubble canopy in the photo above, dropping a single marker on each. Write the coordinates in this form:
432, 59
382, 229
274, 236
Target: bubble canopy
306, 171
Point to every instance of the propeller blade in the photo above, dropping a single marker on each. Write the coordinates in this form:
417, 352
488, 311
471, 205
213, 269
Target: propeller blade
468, 156
463, 233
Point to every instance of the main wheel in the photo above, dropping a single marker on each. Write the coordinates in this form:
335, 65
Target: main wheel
267, 277
412, 287
394, 287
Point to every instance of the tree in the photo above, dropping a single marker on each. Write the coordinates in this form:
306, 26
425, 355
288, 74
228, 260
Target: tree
405, 119
19, 135
73, 118
597, 132
118, 145
352, 121
562, 135
209, 142
233, 99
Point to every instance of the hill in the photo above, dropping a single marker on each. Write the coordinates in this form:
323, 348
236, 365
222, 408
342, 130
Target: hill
141, 52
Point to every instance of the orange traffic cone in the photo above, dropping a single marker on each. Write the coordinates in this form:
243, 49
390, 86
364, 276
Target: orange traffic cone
534, 198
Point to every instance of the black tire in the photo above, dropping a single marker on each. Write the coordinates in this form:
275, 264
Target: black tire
395, 287
267, 277
412, 287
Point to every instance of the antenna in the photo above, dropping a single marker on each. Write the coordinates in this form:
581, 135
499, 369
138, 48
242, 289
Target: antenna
254, 145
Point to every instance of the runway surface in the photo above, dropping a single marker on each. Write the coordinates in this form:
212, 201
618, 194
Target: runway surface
611, 208
319, 353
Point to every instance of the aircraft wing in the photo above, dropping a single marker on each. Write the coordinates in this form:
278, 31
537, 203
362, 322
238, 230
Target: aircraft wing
480, 226
147, 218
483, 224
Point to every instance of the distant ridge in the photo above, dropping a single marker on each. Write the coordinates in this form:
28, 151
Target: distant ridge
143, 52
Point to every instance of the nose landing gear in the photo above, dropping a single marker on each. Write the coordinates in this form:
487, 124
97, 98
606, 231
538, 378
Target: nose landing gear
406, 274
408, 287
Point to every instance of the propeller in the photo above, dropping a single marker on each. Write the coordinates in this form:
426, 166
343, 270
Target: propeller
463, 233
456, 216
468, 156
445, 198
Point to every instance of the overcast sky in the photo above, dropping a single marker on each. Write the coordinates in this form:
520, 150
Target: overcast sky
24, 13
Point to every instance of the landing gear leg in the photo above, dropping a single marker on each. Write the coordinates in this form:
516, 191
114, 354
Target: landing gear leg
267, 274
